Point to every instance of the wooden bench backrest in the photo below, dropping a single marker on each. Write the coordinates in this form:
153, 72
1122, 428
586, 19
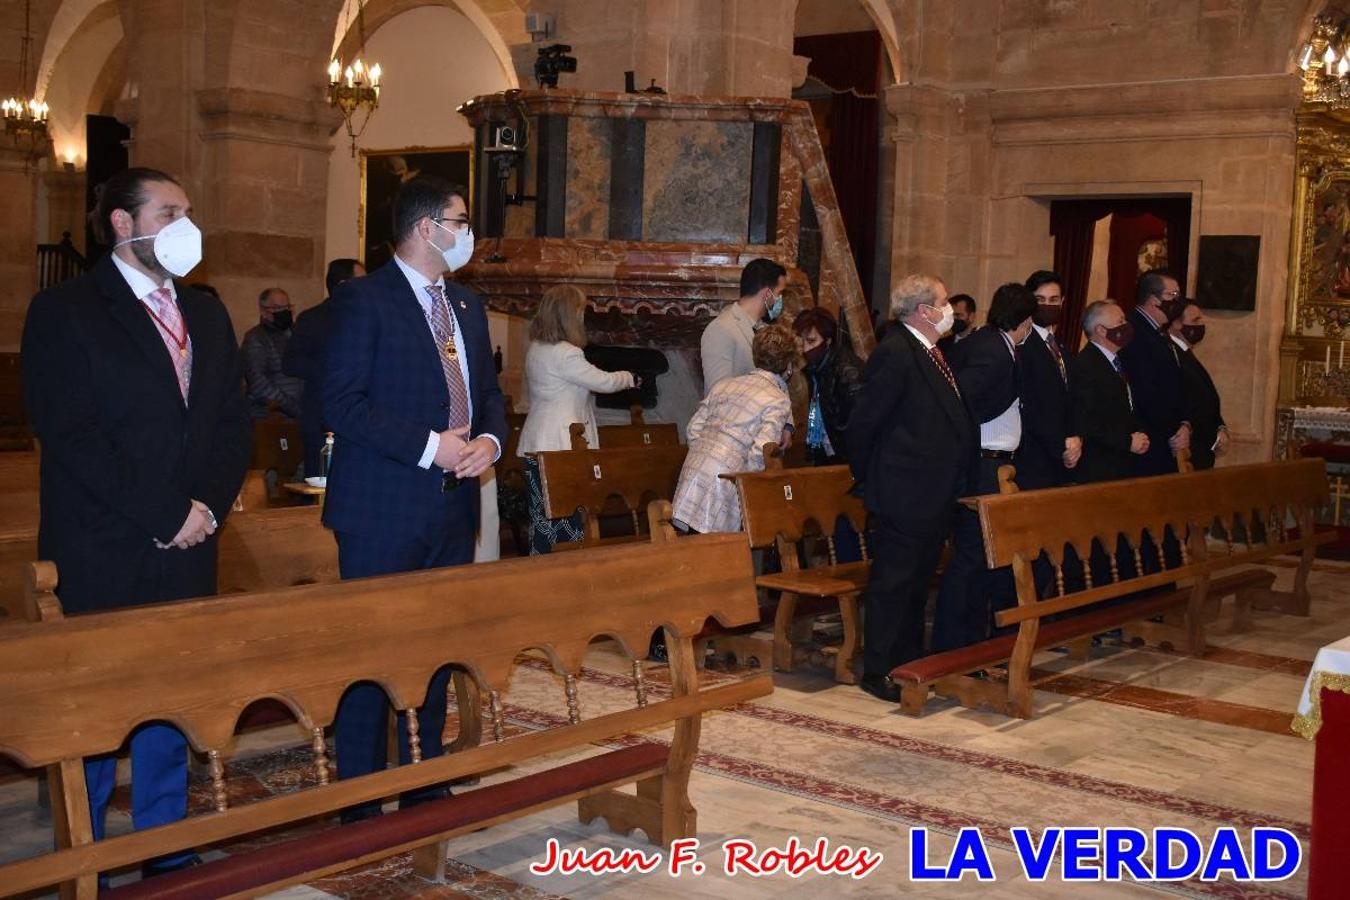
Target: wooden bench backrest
1024, 524
277, 446
584, 479
615, 436
19, 495
1019, 527
275, 548
780, 502
199, 663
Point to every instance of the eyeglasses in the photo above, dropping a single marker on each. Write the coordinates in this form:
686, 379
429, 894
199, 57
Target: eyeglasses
460, 222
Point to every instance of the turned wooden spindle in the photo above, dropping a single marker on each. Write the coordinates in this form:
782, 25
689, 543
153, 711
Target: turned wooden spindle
1059, 580
1138, 559
320, 756
217, 769
573, 707
640, 683
414, 734
495, 706
862, 545
829, 546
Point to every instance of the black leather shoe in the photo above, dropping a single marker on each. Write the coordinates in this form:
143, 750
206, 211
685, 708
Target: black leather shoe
423, 795
881, 687
154, 868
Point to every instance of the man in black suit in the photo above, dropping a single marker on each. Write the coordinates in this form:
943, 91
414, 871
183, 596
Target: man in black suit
911, 443
988, 376
304, 359
1209, 434
1103, 399
132, 382
410, 391
1154, 368
1050, 446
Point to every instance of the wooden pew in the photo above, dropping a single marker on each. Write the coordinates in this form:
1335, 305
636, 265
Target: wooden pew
585, 479
15, 434
277, 446
636, 435
778, 506
1019, 527
275, 548
396, 630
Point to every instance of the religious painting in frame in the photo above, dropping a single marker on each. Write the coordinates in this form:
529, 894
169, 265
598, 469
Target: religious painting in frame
383, 172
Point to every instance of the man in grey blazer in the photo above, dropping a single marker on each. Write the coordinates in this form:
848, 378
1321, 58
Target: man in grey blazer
725, 346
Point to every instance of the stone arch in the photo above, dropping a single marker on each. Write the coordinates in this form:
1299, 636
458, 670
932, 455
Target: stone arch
502, 23
881, 14
78, 69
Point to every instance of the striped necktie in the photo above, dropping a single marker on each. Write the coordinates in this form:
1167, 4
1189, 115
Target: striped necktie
443, 329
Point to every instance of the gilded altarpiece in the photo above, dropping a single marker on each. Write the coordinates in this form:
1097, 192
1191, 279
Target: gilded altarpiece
1314, 401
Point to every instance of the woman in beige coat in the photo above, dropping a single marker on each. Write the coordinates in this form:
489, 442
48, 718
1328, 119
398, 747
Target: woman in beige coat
560, 382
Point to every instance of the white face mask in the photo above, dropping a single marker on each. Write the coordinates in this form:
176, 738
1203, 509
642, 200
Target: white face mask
944, 324
458, 253
178, 246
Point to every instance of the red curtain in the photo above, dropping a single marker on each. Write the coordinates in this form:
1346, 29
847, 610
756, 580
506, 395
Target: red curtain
850, 65
1072, 223
1128, 233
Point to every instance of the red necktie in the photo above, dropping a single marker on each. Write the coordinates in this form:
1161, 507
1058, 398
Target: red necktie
941, 362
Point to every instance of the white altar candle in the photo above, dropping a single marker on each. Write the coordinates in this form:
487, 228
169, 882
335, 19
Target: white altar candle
1327, 366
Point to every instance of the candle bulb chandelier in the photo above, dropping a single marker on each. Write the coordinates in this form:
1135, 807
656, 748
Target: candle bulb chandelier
1325, 61
25, 117
355, 89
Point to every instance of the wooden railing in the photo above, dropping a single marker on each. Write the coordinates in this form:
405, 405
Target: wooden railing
59, 262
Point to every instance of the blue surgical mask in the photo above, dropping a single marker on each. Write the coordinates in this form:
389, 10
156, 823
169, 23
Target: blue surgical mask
774, 307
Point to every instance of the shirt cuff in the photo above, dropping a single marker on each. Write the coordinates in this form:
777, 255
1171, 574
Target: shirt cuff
433, 446
497, 444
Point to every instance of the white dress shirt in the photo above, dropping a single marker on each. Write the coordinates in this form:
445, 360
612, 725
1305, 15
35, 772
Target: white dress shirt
1004, 431
420, 283
923, 339
143, 286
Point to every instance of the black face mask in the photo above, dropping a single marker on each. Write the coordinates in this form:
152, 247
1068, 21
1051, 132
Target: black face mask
816, 354
1192, 334
959, 326
1121, 335
1047, 315
1172, 308
281, 320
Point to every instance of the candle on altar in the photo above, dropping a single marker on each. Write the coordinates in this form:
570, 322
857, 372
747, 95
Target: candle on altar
1341, 364
1327, 365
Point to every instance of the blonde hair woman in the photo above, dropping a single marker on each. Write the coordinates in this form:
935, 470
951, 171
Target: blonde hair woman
560, 383
728, 433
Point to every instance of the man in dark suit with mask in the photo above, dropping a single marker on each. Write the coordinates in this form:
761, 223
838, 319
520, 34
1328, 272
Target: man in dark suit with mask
132, 382
1154, 368
1209, 434
410, 391
1050, 447
911, 445
1103, 397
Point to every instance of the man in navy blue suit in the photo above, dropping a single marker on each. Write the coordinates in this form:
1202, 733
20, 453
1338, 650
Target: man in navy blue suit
410, 391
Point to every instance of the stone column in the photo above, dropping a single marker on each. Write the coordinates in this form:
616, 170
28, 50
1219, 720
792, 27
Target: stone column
701, 47
265, 161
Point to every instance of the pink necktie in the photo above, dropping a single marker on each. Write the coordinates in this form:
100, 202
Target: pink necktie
443, 328
164, 310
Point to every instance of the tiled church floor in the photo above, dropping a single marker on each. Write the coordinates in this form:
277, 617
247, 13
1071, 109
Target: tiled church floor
1130, 738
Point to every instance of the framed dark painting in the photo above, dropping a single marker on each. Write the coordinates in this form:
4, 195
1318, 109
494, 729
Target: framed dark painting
383, 172
1228, 267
